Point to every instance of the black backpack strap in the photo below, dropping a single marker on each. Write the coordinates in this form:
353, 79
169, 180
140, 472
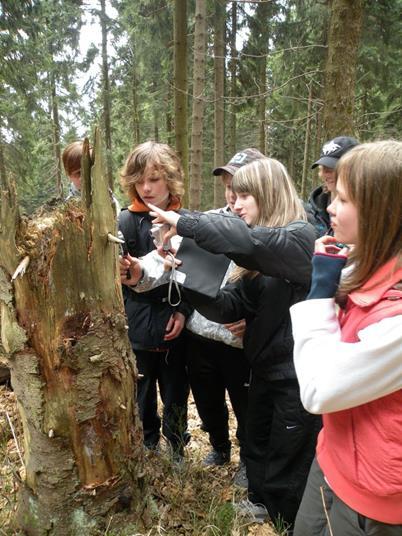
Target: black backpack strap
128, 226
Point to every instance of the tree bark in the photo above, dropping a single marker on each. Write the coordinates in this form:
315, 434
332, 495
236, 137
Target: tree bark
180, 84
219, 84
233, 82
63, 328
106, 97
340, 73
306, 162
263, 17
136, 114
56, 133
198, 105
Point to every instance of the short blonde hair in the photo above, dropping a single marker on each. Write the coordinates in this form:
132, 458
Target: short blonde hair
372, 176
162, 158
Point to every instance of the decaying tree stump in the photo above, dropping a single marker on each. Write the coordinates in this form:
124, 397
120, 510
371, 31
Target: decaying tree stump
64, 332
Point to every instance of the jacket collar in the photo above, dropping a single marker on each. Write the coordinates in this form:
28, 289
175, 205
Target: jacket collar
139, 206
374, 289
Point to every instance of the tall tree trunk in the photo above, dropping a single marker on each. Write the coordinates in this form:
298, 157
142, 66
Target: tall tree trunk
56, 133
3, 175
262, 13
261, 105
219, 85
63, 328
233, 82
198, 104
340, 73
306, 142
136, 114
180, 84
106, 97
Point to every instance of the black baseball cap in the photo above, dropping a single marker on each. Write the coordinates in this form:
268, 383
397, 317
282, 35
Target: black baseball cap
238, 160
332, 151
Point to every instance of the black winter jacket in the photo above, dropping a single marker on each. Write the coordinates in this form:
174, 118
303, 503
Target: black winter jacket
264, 302
282, 252
148, 312
316, 208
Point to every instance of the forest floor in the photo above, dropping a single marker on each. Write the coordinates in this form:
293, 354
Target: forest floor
189, 499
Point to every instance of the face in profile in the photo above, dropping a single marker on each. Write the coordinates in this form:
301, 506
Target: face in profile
328, 176
230, 196
153, 188
246, 207
343, 215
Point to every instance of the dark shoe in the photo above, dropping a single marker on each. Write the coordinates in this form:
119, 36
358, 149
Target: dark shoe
217, 457
240, 479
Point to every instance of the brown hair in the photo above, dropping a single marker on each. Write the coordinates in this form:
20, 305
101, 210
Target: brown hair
71, 157
162, 158
372, 176
268, 181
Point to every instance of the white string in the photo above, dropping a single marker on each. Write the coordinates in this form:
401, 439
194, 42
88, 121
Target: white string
173, 281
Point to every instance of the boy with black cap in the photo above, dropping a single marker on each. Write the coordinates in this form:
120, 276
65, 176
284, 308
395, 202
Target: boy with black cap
216, 362
322, 196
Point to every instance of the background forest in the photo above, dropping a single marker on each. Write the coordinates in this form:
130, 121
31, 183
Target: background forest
209, 77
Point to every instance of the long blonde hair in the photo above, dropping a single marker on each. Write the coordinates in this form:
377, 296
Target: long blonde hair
372, 175
268, 181
162, 158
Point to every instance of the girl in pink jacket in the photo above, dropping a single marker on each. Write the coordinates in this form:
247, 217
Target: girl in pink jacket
349, 359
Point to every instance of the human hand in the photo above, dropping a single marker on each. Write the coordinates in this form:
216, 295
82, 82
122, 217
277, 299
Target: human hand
174, 326
328, 245
165, 216
130, 270
237, 328
170, 259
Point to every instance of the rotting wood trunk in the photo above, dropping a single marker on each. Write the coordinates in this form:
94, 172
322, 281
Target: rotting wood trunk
63, 328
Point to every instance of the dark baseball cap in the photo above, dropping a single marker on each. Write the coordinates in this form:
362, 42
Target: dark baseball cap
238, 160
332, 151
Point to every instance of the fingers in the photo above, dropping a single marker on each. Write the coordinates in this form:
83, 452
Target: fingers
163, 216
170, 324
322, 243
130, 270
171, 261
329, 245
175, 326
167, 236
237, 328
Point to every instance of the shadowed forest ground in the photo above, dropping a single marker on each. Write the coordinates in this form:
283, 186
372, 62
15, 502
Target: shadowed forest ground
189, 500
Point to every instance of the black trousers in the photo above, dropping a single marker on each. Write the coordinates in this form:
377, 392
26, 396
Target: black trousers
281, 440
168, 371
213, 368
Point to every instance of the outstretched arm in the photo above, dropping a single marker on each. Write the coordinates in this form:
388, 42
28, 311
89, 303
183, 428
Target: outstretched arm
282, 252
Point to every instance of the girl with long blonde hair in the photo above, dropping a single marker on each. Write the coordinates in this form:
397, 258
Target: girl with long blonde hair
270, 234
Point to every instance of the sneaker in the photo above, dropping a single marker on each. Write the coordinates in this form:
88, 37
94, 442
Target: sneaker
240, 479
217, 457
252, 513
